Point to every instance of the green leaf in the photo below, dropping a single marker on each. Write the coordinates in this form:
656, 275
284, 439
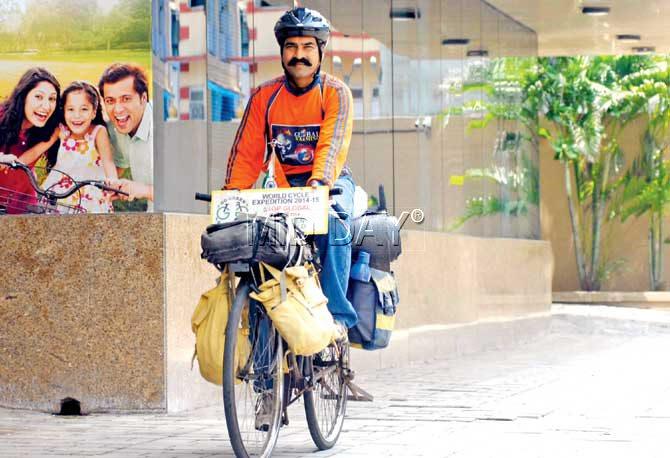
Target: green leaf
544, 133
480, 123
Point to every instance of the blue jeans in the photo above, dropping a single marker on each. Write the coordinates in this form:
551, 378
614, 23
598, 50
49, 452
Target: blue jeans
335, 253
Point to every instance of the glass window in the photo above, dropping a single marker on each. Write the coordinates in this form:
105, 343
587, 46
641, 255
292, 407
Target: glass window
226, 37
211, 28
223, 102
244, 35
175, 33
197, 104
158, 31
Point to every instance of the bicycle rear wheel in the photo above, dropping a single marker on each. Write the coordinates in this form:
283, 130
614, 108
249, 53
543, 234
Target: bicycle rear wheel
252, 389
326, 403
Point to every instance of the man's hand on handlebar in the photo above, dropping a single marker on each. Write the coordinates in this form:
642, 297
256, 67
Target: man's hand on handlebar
331, 191
315, 183
134, 189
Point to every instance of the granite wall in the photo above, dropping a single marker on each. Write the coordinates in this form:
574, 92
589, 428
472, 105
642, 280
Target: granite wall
82, 312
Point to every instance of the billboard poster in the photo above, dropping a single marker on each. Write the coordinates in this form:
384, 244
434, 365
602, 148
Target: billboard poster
75, 105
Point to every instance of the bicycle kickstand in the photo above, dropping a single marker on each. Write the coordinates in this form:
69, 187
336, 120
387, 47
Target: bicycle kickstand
358, 394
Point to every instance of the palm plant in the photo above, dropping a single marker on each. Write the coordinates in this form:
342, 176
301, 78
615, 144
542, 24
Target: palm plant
588, 101
646, 191
645, 188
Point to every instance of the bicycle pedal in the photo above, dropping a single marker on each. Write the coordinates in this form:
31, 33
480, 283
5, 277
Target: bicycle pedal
349, 375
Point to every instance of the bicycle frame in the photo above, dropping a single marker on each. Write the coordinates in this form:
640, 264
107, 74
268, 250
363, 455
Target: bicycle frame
323, 380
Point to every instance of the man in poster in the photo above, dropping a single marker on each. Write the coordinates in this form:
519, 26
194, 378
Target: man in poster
125, 94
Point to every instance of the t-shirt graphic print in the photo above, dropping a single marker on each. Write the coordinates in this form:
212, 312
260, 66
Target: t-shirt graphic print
295, 144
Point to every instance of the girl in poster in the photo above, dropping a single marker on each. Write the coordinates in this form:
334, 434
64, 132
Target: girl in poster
85, 152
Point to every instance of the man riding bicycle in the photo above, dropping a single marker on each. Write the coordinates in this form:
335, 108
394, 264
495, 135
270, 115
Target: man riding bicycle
308, 116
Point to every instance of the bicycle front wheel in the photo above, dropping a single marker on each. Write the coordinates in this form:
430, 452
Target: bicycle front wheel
326, 402
252, 378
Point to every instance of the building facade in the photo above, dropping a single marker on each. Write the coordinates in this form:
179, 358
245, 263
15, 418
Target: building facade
420, 73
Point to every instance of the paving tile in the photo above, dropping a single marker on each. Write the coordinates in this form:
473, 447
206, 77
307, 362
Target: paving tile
573, 392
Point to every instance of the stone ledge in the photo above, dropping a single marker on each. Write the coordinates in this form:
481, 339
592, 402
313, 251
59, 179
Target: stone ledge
660, 317
98, 307
641, 299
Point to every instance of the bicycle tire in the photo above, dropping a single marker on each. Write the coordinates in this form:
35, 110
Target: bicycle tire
325, 418
242, 392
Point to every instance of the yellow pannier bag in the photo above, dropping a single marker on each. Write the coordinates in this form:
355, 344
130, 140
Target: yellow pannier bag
297, 307
209, 326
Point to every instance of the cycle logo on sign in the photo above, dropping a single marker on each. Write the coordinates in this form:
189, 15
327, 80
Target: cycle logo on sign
307, 206
227, 209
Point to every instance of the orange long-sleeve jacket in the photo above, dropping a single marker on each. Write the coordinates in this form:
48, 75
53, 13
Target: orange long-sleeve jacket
311, 129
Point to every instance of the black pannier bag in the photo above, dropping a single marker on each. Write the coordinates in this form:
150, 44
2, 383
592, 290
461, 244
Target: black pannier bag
378, 234
376, 304
273, 239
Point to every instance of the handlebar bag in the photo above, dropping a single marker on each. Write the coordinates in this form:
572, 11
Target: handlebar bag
297, 307
272, 240
208, 323
376, 303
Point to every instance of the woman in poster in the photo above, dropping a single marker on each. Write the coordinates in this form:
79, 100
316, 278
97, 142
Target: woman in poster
28, 128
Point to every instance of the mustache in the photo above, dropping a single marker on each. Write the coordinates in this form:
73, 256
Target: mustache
295, 61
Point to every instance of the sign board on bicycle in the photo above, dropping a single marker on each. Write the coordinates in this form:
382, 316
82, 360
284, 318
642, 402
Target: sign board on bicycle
308, 206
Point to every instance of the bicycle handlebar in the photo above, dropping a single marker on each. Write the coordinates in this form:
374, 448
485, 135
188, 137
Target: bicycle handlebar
208, 197
16, 165
202, 196
332, 192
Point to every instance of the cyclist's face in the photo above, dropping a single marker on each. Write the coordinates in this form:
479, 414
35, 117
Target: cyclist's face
300, 56
79, 112
40, 104
125, 107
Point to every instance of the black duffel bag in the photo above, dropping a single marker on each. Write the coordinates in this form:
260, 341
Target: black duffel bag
377, 233
273, 239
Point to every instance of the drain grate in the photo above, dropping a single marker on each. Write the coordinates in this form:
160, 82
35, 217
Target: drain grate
69, 407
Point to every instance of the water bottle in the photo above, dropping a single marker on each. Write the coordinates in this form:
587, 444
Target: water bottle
361, 269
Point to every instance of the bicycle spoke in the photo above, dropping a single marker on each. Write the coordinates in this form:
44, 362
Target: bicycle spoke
325, 403
252, 392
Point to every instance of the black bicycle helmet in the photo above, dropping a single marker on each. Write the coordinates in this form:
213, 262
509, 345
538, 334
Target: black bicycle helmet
302, 22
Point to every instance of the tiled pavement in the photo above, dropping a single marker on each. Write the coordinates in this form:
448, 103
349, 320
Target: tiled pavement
597, 385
